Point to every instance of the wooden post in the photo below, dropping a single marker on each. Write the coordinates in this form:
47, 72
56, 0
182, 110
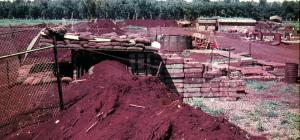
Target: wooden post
7, 74
136, 63
56, 68
158, 70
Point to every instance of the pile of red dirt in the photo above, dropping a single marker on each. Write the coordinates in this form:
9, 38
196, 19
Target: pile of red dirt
113, 104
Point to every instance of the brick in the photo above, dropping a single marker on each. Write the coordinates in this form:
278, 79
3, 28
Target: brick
205, 90
192, 85
193, 75
193, 70
241, 89
174, 61
212, 74
175, 75
175, 66
224, 84
224, 93
178, 85
173, 80
194, 80
209, 94
191, 90
188, 95
174, 71
210, 85
178, 90
193, 65
214, 90
228, 89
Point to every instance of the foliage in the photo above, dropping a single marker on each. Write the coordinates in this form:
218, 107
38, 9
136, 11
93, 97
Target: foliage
145, 9
291, 120
6, 22
198, 103
258, 85
267, 109
259, 126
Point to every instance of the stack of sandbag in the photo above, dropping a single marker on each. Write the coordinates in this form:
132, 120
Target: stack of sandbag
109, 41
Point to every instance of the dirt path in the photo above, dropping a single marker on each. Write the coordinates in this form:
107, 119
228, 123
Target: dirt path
282, 53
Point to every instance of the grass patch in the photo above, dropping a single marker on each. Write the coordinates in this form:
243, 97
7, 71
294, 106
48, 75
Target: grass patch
289, 89
259, 85
291, 120
260, 127
267, 109
198, 103
15, 22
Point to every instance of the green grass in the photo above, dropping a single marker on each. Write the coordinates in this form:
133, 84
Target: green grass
289, 89
259, 85
14, 22
198, 103
267, 109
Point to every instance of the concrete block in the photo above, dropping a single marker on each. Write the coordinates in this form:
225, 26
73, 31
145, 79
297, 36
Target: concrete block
192, 85
189, 95
174, 66
193, 70
193, 75
191, 89
194, 80
205, 90
174, 71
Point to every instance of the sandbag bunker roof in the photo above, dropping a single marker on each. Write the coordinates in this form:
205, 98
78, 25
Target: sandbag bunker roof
109, 42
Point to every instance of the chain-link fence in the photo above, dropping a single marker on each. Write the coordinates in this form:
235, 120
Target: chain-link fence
28, 82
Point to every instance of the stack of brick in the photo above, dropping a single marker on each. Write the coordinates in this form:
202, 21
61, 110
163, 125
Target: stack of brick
193, 81
231, 87
218, 87
173, 73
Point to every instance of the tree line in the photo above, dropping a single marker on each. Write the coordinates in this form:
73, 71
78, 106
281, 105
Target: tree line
146, 9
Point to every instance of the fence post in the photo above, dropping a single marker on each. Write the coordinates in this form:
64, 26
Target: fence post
56, 68
14, 43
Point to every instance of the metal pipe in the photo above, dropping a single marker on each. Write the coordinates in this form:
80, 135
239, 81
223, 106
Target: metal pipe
56, 68
20, 53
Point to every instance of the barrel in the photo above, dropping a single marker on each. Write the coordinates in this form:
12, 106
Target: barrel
291, 72
277, 37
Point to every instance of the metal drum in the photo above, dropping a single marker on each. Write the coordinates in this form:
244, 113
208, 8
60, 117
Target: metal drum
291, 72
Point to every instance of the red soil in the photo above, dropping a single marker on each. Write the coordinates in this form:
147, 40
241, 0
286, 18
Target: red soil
112, 93
283, 53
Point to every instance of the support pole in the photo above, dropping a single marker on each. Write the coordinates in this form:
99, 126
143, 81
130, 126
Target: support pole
56, 68
7, 74
136, 63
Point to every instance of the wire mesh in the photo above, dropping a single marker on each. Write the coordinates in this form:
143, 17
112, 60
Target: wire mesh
28, 87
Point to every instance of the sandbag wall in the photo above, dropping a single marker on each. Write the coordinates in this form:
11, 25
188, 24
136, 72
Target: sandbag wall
194, 79
105, 42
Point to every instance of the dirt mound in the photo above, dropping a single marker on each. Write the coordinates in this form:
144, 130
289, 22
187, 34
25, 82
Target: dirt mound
112, 104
